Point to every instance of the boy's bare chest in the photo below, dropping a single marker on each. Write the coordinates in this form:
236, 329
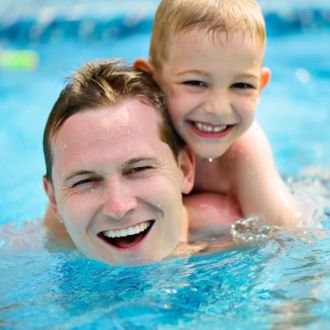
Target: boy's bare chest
211, 177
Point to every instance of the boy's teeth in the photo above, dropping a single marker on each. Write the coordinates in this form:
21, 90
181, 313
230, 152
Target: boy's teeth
209, 128
128, 231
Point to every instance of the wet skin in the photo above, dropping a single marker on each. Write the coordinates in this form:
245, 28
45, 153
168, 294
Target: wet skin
116, 186
213, 94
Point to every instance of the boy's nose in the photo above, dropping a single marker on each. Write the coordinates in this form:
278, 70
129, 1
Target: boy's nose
118, 201
218, 103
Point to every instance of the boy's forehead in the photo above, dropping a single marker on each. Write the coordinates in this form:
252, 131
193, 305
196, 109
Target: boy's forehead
195, 41
195, 37
217, 36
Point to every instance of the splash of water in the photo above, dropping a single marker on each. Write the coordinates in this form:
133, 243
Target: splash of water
251, 229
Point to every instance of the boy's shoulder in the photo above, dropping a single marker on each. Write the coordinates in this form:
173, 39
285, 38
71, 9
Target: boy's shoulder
252, 144
248, 155
249, 147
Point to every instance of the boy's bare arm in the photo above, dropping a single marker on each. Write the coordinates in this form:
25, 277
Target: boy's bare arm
210, 214
259, 187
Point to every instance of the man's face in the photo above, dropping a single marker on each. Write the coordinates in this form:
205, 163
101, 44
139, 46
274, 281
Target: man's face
116, 185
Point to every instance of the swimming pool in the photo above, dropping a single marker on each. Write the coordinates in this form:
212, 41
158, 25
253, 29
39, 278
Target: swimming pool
280, 282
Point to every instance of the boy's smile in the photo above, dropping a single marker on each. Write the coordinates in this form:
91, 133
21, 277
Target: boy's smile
212, 82
210, 131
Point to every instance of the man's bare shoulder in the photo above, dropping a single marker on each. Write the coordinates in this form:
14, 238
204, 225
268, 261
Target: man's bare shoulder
204, 247
56, 234
32, 236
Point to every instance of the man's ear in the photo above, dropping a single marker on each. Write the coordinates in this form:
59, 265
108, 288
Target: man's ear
143, 65
49, 189
186, 161
264, 78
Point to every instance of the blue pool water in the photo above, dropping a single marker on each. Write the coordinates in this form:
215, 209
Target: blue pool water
280, 282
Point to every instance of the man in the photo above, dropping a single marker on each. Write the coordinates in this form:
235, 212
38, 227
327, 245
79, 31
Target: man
115, 170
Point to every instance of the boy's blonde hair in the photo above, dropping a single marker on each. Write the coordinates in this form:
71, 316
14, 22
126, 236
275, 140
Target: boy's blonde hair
229, 16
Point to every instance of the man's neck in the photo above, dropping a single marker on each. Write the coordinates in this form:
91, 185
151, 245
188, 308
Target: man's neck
185, 227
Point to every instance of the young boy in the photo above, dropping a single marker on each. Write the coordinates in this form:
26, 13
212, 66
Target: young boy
207, 56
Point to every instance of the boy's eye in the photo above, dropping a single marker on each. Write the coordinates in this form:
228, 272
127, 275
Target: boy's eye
196, 83
243, 85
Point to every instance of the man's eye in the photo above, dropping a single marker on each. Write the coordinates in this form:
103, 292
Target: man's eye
137, 170
196, 83
83, 182
243, 85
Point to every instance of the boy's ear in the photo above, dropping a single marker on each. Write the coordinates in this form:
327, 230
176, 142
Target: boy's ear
186, 161
143, 65
48, 187
264, 78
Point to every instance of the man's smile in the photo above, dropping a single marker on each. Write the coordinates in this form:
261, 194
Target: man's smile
127, 238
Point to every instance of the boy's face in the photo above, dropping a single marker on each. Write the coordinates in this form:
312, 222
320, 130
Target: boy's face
212, 83
116, 185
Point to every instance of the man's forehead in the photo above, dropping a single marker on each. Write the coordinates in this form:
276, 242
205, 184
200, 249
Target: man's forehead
133, 124
135, 112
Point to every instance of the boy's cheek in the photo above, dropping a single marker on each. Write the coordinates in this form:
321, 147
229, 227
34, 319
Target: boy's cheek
177, 95
183, 101
167, 89
161, 80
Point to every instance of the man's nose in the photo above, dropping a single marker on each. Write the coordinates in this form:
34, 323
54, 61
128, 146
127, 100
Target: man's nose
118, 200
218, 102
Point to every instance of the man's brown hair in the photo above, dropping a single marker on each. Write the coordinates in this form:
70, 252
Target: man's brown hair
106, 83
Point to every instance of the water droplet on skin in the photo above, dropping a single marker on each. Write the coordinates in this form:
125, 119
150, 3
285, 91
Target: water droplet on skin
210, 159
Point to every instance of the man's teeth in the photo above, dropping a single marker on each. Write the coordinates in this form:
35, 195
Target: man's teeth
210, 129
128, 231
